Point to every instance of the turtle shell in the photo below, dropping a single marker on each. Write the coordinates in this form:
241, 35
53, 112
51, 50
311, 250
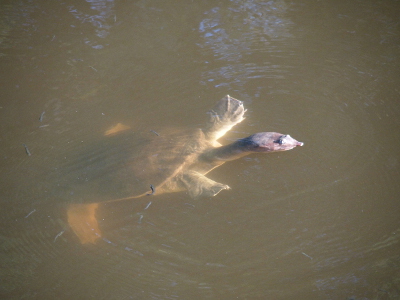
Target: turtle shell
125, 165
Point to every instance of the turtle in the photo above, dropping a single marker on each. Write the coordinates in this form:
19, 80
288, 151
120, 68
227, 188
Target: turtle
140, 165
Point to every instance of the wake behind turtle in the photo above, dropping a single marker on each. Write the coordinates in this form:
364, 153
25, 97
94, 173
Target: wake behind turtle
169, 162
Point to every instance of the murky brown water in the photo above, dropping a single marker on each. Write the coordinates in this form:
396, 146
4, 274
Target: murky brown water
317, 222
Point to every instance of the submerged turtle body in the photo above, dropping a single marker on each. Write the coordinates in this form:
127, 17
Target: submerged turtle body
168, 162
173, 161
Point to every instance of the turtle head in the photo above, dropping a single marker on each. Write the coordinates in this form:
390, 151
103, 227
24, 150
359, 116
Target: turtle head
270, 142
259, 142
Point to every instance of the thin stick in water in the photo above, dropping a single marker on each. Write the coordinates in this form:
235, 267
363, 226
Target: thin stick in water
30, 213
154, 132
58, 235
140, 219
27, 150
306, 255
148, 205
153, 190
41, 117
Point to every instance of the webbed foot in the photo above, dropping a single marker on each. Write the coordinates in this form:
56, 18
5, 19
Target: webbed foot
199, 185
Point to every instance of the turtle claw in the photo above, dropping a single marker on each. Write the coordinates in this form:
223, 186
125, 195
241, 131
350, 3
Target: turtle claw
217, 188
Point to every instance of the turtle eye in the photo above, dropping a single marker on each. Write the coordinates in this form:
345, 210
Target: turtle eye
282, 139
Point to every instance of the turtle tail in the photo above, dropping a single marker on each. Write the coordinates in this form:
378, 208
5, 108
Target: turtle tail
83, 222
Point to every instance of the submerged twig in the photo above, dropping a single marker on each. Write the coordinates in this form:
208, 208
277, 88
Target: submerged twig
154, 132
27, 150
306, 255
153, 190
148, 205
140, 219
41, 117
58, 235
30, 213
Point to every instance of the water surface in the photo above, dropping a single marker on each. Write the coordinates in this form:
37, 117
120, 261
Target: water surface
317, 222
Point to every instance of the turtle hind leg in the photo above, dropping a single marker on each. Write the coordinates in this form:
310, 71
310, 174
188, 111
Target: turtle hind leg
83, 222
199, 185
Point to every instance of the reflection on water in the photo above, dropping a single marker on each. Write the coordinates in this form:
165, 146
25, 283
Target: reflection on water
245, 27
321, 223
101, 17
246, 31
